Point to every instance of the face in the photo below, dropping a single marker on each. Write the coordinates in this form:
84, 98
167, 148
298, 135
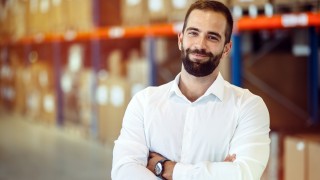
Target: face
197, 67
202, 44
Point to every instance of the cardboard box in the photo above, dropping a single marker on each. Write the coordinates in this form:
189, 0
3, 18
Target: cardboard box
109, 13
301, 158
288, 3
48, 107
4, 19
137, 72
85, 89
179, 9
314, 160
102, 99
111, 112
17, 22
58, 22
247, 3
79, 14
70, 83
134, 12
7, 91
158, 10
12, 19
38, 16
114, 93
36, 80
20, 92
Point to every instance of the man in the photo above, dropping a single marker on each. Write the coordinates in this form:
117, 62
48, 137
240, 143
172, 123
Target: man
198, 126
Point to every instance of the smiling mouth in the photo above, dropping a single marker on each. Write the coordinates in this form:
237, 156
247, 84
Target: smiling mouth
197, 55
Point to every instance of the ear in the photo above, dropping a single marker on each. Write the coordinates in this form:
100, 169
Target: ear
180, 37
227, 48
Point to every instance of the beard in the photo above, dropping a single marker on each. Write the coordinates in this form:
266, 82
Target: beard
197, 68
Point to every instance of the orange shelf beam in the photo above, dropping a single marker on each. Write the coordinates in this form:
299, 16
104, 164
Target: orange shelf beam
244, 23
278, 21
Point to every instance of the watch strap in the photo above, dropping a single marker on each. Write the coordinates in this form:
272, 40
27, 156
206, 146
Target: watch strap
162, 161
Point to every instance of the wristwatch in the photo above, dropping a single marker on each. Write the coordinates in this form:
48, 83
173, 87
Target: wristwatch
159, 168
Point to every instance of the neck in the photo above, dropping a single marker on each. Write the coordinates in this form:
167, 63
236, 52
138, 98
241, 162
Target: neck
194, 87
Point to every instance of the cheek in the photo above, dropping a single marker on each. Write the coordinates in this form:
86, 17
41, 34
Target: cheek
186, 44
216, 49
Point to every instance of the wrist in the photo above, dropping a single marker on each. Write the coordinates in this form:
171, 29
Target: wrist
159, 167
168, 169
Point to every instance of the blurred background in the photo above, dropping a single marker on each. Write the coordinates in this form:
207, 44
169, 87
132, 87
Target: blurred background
68, 69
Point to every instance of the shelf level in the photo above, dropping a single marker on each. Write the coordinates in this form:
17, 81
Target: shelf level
242, 24
279, 21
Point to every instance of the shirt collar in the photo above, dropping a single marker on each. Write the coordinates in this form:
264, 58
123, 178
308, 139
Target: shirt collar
175, 86
216, 89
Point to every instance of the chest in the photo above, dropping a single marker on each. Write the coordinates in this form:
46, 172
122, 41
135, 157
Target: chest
194, 132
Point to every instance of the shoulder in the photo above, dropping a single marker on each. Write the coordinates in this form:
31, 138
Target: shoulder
154, 92
241, 96
250, 107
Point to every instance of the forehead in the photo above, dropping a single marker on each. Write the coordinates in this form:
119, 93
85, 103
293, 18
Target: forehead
207, 20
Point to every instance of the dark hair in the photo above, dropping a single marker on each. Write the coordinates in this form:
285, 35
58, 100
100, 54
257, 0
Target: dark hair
215, 6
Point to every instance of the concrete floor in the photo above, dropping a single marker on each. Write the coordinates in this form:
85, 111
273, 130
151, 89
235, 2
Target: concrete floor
33, 151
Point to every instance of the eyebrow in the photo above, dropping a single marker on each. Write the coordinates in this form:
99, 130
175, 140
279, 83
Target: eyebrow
210, 32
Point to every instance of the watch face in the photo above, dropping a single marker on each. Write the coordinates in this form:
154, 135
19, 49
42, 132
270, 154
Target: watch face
158, 169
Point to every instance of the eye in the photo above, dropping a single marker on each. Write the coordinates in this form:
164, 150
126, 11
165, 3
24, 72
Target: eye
213, 38
192, 33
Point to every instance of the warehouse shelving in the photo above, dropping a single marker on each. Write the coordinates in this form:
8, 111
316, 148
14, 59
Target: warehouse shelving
309, 20
298, 20
292, 20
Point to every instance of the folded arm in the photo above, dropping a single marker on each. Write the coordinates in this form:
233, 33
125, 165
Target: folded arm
250, 143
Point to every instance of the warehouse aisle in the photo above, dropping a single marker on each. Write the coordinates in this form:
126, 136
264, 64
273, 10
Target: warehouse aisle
33, 151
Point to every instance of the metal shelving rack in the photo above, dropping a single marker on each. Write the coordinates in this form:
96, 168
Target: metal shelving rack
298, 20
305, 20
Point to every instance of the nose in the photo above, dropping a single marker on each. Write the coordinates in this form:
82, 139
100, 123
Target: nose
201, 43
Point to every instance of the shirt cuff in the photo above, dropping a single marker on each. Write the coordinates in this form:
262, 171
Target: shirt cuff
181, 171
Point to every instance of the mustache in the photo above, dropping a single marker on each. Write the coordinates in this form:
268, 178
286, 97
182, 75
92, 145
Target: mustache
200, 51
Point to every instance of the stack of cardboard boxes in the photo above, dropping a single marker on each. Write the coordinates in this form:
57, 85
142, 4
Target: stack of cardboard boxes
247, 3
38, 89
141, 12
7, 82
301, 157
12, 19
113, 96
19, 18
27, 89
77, 91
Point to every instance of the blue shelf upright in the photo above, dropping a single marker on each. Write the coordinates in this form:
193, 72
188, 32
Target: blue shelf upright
56, 46
313, 101
236, 60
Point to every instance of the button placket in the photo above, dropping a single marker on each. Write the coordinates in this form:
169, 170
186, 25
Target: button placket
187, 133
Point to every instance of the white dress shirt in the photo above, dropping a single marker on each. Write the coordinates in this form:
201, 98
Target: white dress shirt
197, 135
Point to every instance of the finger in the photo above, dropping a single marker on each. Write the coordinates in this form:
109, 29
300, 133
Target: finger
234, 157
230, 158
227, 158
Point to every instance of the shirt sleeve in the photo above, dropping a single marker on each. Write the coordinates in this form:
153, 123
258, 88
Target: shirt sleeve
130, 154
250, 143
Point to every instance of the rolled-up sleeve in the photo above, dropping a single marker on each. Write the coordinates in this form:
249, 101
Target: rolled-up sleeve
250, 143
130, 154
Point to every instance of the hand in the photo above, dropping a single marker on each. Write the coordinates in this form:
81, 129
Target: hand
230, 158
152, 160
